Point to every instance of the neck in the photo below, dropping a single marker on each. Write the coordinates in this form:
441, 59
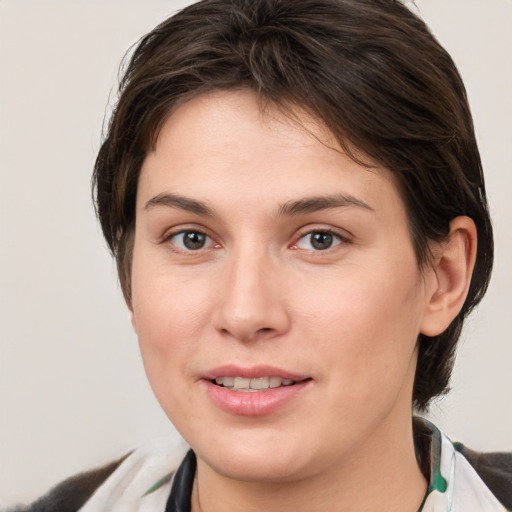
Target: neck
381, 475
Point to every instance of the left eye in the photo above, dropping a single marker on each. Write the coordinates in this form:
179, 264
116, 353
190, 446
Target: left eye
319, 241
191, 240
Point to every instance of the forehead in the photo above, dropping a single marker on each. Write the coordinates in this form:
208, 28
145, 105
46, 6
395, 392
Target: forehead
222, 146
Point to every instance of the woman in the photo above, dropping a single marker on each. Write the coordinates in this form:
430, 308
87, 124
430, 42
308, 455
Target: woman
294, 197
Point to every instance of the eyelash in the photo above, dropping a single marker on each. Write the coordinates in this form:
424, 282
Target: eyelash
169, 238
335, 238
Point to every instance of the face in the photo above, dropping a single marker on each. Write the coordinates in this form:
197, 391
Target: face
276, 294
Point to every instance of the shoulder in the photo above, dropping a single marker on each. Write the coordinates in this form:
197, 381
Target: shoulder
70, 494
460, 476
494, 468
143, 475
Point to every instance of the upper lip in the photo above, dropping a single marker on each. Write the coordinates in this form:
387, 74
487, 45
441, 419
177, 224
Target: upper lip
252, 372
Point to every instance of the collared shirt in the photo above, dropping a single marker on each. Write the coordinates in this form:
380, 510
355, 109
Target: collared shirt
147, 480
143, 483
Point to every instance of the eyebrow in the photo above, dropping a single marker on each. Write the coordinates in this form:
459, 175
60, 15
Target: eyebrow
181, 202
301, 206
315, 204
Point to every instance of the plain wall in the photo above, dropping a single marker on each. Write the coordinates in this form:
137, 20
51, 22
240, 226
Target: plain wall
72, 388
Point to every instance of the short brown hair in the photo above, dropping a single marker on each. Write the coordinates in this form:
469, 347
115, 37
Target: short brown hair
369, 69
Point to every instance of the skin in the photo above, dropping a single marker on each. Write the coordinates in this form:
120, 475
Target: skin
258, 292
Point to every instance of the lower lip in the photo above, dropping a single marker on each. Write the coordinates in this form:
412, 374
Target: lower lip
257, 403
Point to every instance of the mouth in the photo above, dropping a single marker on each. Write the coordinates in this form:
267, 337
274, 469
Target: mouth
252, 385
254, 390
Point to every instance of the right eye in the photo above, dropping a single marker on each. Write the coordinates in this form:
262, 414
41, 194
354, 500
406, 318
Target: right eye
191, 240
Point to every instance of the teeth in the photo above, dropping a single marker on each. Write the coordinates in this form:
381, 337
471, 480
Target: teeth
275, 382
251, 385
261, 383
241, 383
229, 381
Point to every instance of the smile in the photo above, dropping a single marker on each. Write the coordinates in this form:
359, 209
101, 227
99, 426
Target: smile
252, 385
254, 396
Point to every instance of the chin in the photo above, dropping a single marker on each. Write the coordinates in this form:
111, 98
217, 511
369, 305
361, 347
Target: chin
257, 468
263, 456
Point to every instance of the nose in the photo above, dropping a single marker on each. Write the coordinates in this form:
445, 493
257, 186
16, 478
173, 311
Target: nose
252, 302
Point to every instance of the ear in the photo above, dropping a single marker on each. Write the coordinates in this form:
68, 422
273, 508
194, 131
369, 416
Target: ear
454, 260
132, 318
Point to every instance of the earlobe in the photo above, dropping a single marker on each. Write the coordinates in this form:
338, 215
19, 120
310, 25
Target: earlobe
132, 318
452, 268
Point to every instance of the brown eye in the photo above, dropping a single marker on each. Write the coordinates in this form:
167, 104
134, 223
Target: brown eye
190, 240
319, 240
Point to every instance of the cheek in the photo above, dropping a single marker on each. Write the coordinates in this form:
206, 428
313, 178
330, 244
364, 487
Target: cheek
168, 320
170, 312
364, 325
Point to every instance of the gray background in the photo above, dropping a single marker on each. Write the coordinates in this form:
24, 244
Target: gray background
72, 389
